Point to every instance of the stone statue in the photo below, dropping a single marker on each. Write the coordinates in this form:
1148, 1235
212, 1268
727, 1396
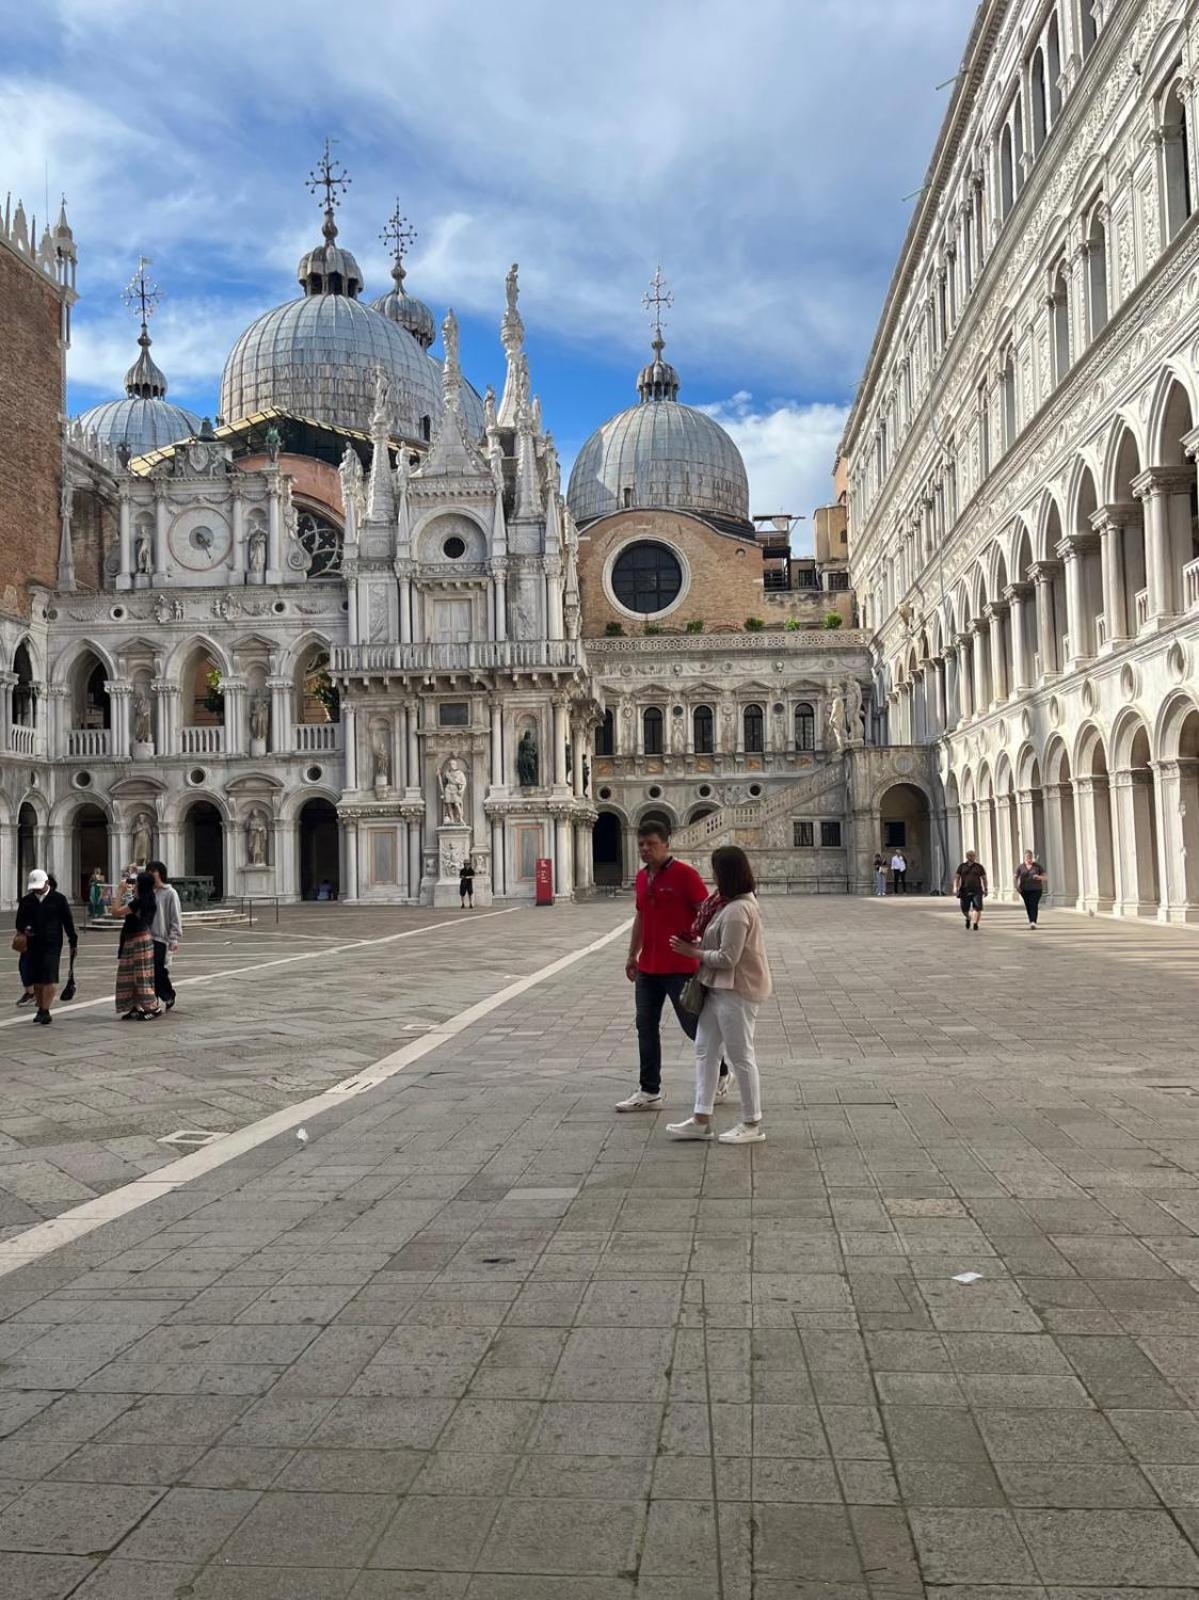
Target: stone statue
452, 782
162, 609
381, 750
273, 442
512, 288
141, 553
678, 734
257, 551
143, 837
141, 719
853, 710
526, 760
586, 776
489, 415
836, 721
257, 832
260, 719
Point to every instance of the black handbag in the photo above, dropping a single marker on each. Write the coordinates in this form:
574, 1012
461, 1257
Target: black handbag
68, 990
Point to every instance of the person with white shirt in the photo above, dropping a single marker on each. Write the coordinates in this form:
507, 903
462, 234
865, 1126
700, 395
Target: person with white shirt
899, 873
166, 931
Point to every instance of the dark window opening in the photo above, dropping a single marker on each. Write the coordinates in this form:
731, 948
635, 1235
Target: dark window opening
647, 577
803, 835
651, 724
830, 835
754, 724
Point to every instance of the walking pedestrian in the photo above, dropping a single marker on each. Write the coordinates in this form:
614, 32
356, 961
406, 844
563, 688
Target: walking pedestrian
880, 877
166, 931
135, 996
899, 872
1030, 882
669, 896
43, 923
466, 885
970, 886
736, 979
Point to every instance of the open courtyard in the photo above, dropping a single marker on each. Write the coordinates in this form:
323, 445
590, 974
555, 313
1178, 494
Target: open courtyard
477, 1336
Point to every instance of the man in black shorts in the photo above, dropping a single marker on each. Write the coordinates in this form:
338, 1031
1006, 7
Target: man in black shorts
970, 886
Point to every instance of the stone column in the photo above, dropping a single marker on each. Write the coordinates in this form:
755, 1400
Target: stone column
274, 531
125, 562
500, 585
166, 730
1164, 493
1078, 622
416, 845
559, 767
1092, 818
237, 556
497, 745
1018, 596
1043, 574
120, 696
349, 850
349, 734
1007, 854
997, 616
555, 613
563, 864
8, 682
1055, 850
415, 776
237, 741
1110, 523
984, 690
940, 695
1026, 824
1178, 786
161, 514
280, 739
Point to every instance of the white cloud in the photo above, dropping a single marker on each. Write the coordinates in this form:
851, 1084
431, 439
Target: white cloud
788, 451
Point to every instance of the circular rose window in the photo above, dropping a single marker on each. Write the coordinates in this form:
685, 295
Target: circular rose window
647, 577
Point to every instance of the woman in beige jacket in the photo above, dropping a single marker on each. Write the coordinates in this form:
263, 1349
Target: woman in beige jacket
736, 979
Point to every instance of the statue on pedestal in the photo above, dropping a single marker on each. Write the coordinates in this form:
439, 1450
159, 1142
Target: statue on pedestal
257, 551
836, 721
141, 719
526, 760
141, 554
452, 782
853, 711
259, 719
143, 837
381, 751
257, 833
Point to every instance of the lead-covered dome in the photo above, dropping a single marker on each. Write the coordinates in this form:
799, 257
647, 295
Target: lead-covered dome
659, 454
145, 419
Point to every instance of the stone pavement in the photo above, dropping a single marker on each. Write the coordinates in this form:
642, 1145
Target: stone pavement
481, 1338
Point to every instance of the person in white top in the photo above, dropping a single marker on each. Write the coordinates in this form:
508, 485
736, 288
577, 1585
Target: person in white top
166, 931
899, 873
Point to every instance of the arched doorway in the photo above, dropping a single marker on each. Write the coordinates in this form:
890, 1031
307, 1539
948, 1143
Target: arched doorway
1097, 858
903, 821
91, 848
1137, 812
26, 845
606, 849
319, 848
204, 845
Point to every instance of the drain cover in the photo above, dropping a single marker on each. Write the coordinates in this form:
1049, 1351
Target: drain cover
190, 1138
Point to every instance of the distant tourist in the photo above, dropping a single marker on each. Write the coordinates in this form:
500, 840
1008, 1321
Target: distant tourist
135, 996
1030, 882
466, 885
166, 931
899, 872
95, 895
43, 923
669, 896
736, 979
880, 877
970, 886
324, 890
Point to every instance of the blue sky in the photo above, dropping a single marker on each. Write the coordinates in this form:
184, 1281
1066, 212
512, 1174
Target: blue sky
759, 153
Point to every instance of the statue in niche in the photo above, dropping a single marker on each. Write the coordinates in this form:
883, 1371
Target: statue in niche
257, 833
260, 719
452, 783
257, 551
141, 554
141, 719
836, 721
143, 838
678, 734
527, 760
586, 776
381, 751
853, 710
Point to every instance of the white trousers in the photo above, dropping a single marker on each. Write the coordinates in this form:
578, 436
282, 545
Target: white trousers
726, 1027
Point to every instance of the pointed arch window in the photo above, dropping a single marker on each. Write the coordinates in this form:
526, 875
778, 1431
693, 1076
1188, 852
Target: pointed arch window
1007, 384
1040, 107
1007, 184
1059, 313
1176, 157
1053, 44
651, 729
1097, 309
753, 724
703, 732
605, 735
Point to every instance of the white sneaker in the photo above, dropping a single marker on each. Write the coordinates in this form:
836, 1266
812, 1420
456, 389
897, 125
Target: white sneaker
722, 1086
743, 1133
641, 1102
689, 1129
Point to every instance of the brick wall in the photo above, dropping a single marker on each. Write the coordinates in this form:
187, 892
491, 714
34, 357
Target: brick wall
30, 440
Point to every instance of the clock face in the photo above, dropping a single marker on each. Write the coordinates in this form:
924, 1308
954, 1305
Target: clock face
199, 544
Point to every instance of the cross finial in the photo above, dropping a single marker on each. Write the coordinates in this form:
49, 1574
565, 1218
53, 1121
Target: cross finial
399, 235
657, 296
330, 176
142, 295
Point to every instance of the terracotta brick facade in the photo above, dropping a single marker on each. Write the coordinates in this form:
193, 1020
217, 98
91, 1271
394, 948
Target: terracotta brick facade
31, 389
725, 578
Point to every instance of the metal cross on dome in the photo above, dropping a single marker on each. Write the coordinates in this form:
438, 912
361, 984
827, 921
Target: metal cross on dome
330, 176
141, 295
399, 234
654, 299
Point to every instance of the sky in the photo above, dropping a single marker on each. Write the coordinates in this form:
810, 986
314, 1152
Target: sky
761, 154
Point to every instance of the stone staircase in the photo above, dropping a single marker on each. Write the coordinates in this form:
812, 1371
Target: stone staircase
744, 824
193, 921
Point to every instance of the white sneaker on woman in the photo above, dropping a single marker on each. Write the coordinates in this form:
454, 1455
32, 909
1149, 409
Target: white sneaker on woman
689, 1129
743, 1133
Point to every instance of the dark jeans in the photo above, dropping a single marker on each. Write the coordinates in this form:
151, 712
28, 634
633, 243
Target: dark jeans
163, 987
652, 990
901, 880
1032, 899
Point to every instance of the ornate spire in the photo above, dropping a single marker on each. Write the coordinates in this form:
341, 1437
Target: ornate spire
512, 337
380, 494
144, 380
399, 235
451, 370
329, 269
397, 304
329, 175
659, 380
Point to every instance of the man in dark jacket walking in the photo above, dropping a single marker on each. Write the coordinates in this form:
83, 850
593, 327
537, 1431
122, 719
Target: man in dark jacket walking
44, 917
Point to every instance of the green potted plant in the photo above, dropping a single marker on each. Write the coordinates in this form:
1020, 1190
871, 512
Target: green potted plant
214, 693
754, 625
832, 620
696, 625
614, 630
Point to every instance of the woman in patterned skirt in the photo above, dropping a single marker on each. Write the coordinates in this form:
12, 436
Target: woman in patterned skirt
136, 999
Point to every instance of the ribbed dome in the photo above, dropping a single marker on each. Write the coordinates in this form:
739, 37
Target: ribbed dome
405, 310
659, 454
138, 424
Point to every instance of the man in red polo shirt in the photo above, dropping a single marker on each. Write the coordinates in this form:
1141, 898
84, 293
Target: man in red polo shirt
669, 893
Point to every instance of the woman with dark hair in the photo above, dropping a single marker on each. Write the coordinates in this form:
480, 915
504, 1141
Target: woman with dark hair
736, 979
136, 997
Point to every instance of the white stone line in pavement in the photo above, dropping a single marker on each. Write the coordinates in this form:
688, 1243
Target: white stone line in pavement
74, 1224
279, 961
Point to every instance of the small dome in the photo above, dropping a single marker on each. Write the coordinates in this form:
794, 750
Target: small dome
139, 425
404, 309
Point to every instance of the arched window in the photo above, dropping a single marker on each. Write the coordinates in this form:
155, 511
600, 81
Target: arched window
1040, 109
1055, 70
753, 723
318, 700
984, 432
701, 722
1007, 186
805, 726
24, 705
651, 727
95, 708
1097, 275
1008, 387
968, 247
1177, 158
605, 735
1060, 315
1018, 143
1087, 31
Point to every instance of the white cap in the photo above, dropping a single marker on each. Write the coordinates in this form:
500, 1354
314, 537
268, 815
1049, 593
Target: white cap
37, 879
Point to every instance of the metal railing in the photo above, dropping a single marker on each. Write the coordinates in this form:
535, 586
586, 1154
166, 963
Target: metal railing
88, 741
245, 904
